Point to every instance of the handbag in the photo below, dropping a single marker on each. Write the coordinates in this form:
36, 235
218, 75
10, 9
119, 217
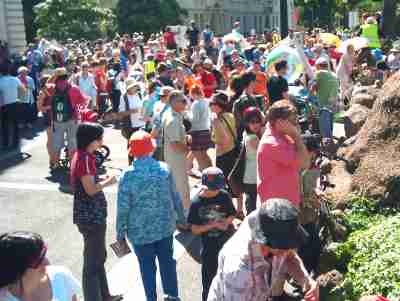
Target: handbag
235, 177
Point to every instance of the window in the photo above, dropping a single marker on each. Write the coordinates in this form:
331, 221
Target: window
267, 23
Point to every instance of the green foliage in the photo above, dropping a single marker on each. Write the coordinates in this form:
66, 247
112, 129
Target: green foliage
147, 16
62, 19
371, 253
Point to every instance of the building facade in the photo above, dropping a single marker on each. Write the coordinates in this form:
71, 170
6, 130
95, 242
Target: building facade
221, 14
255, 15
12, 28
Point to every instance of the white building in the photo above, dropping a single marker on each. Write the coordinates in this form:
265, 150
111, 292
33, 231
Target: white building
12, 28
221, 14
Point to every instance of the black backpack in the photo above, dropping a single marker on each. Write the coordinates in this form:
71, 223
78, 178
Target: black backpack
61, 106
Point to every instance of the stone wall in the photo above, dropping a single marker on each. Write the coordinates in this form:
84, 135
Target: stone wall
12, 28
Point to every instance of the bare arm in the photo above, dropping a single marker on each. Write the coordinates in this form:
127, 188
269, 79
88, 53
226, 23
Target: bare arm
200, 229
302, 152
179, 147
91, 188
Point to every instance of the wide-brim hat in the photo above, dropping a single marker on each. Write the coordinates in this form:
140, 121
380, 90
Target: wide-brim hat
276, 226
131, 83
141, 144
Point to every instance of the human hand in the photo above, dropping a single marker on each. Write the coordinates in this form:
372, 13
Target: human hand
312, 291
287, 128
111, 180
188, 139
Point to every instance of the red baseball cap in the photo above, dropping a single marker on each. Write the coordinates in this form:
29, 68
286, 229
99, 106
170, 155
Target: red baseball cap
141, 144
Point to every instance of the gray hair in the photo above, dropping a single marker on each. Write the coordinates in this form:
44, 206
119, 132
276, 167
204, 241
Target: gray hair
176, 96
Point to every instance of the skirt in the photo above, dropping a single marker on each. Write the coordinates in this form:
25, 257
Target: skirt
201, 140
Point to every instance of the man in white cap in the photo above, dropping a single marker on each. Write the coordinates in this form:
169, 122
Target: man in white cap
327, 90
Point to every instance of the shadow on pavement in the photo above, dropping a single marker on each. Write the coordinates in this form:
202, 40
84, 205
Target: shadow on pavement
12, 159
191, 243
61, 177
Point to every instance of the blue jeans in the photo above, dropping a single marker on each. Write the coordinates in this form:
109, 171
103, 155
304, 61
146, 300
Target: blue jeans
146, 254
326, 123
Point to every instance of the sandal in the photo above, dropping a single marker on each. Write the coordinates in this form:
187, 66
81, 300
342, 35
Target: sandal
240, 215
54, 166
115, 298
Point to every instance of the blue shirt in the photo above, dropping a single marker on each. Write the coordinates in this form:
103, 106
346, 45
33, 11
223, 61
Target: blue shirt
157, 123
148, 205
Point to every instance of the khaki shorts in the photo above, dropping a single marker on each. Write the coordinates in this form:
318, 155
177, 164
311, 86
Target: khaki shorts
64, 130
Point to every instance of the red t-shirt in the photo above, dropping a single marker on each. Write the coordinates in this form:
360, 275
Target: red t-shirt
169, 39
207, 79
82, 164
75, 95
101, 81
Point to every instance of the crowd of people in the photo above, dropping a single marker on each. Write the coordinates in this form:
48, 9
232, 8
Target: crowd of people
173, 105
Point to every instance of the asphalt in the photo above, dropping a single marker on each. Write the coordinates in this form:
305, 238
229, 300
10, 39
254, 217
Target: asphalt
34, 200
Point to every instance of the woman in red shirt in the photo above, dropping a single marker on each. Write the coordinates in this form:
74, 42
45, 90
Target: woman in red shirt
90, 211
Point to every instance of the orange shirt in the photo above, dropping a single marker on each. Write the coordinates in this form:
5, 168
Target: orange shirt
261, 84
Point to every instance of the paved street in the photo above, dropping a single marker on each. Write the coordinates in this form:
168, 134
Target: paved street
33, 200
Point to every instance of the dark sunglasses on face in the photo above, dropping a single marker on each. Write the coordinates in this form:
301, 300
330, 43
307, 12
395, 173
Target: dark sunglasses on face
39, 260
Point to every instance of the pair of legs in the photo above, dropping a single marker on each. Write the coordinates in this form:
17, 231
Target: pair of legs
9, 125
226, 163
162, 250
94, 280
251, 197
61, 131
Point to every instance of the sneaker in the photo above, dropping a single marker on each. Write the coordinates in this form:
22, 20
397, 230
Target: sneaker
194, 173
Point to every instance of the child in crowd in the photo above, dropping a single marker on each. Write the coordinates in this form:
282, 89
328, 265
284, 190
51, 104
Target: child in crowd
211, 215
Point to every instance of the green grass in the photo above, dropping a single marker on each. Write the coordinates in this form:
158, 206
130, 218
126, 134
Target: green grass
371, 254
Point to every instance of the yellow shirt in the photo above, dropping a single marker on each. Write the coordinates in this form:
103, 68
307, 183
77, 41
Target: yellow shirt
217, 134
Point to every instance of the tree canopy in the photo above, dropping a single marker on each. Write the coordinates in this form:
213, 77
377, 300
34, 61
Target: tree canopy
147, 15
62, 19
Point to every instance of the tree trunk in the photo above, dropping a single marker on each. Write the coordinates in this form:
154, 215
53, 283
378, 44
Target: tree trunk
389, 17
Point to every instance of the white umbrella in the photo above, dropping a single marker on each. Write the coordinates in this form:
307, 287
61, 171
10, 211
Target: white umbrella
357, 42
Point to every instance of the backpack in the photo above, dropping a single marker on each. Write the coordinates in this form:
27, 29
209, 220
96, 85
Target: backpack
62, 110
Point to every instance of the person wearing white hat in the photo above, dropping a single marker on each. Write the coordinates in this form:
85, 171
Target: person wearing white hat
130, 110
393, 60
27, 107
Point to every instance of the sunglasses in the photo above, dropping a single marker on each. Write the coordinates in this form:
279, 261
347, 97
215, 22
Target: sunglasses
39, 260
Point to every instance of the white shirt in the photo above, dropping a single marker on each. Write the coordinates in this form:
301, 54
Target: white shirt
200, 116
9, 89
63, 285
135, 102
158, 107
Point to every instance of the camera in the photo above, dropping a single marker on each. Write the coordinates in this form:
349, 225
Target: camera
312, 142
